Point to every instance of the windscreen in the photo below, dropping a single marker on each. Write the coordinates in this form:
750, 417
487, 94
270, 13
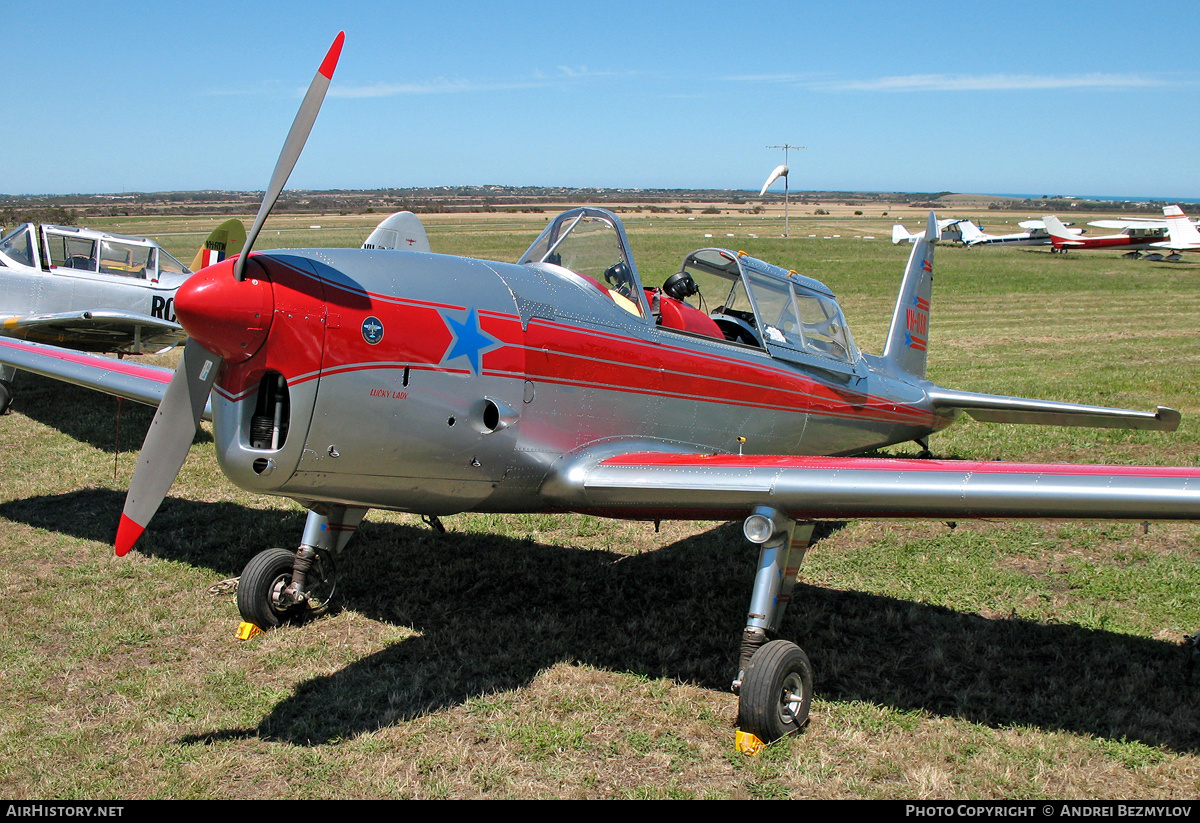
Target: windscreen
18, 246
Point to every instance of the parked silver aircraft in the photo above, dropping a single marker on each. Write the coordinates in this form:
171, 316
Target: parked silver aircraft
350, 379
93, 291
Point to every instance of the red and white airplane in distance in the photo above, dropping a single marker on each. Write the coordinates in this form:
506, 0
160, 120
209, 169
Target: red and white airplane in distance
1134, 237
350, 379
1182, 234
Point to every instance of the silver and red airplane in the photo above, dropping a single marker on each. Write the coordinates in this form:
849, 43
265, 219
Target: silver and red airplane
351, 379
90, 290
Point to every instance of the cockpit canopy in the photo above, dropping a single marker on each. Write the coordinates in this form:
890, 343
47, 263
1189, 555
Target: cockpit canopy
717, 293
89, 251
592, 243
758, 304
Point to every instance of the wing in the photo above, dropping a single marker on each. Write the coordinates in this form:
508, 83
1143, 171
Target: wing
661, 484
140, 382
1128, 223
100, 330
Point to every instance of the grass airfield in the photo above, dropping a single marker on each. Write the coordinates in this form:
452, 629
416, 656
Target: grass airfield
537, 656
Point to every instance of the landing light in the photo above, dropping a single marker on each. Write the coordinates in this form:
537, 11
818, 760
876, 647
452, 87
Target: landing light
764, 525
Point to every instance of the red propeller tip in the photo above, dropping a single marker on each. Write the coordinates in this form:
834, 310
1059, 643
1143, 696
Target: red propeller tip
127, 534
331, 58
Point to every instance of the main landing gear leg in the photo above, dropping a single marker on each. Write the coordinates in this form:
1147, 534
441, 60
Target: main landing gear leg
925, 453
774, 682
7, 374
278, 586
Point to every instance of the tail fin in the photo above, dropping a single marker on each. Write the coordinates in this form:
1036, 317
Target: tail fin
1055, 228
901, 235
1182, 231
907, 339
971, 233
402, 230
226, 239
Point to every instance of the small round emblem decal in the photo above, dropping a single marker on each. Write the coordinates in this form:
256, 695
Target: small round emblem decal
372, 330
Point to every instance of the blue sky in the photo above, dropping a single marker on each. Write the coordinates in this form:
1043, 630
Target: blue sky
1039, 98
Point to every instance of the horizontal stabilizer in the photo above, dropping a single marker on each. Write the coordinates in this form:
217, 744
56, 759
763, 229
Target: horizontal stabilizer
994, 408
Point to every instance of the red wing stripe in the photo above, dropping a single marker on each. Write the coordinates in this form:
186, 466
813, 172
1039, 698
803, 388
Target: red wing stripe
92, 360
701, 461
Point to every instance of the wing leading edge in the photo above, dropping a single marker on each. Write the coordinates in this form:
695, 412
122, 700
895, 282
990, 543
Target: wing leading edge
142, 383
650, 485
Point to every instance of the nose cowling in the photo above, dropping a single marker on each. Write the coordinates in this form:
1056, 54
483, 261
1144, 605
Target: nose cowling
229, 318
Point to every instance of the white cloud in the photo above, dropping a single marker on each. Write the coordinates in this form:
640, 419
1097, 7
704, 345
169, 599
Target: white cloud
997, 82
968, 82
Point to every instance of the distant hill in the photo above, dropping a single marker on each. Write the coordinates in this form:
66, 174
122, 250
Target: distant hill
451, 199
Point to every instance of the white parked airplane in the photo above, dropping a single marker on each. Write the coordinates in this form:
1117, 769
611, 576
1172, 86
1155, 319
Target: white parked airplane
1182, 234
402, 230
947, 230
1035, 234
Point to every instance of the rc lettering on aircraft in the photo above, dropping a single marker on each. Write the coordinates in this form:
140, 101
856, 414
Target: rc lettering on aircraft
92, 291
562, 383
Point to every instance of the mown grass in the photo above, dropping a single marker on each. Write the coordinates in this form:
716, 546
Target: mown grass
538, 656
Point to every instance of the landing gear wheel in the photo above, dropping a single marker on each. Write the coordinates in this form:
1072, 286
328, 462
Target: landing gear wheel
6, 396
260, 596
776, 691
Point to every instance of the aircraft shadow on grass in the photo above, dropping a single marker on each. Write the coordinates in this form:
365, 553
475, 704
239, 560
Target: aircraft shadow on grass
85, 415
493, 612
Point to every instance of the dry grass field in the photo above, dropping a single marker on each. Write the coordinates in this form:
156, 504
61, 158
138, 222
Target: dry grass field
537, 656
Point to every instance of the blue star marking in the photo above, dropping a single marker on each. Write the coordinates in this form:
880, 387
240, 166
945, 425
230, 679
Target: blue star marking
470, 341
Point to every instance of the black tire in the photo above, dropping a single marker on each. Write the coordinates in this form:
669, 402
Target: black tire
266, 575
6, 396
776, 692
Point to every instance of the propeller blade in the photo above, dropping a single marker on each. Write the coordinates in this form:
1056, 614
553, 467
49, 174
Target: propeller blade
292, 147
168, 441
